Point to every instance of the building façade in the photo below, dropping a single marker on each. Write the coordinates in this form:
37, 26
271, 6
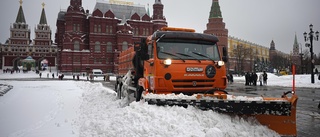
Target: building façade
94, 40
20, 47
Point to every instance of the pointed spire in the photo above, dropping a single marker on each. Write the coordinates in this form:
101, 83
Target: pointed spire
272, 45
157, 2
215, 11
20, 17
43, 19
124, 20
148, 12
295, 40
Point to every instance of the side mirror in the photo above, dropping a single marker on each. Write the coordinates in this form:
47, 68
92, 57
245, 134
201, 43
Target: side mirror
137, 46
141, 49
224, 54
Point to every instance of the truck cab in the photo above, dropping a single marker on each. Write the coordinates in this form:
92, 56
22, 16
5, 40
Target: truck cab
182, 61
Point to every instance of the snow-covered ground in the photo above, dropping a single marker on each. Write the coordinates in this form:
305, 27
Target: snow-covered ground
286, 80
70, 108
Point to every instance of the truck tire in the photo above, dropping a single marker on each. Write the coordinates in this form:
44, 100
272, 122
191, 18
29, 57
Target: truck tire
118, 90
138, 93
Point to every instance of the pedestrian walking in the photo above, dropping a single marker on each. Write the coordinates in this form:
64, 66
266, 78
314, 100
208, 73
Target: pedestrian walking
52, 75
254, 78
40, 74
230, 77
265, 78
247, 78
260, 79
317, 72
47, 75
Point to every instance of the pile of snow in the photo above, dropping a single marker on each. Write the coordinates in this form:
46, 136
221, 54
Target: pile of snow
194, 97
104, 115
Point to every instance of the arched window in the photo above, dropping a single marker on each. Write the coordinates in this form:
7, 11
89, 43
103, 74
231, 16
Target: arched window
110, 30
95, 29
107, 29
99, 28
74, 27
76, 45
109, 47
97, 47
124, 45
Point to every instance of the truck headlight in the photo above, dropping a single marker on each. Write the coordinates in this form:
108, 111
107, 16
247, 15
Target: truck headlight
167, 62
220, 63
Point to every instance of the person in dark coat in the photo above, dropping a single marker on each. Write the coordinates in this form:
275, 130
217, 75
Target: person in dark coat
265, 78
250, 78
231, 77
254, 78
247, 78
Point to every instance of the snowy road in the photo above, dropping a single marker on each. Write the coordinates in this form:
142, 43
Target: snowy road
35, 108
308, 114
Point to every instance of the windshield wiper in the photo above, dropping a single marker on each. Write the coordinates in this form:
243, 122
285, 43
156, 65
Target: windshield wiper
188, 56
199, 54
160, 38
173, 55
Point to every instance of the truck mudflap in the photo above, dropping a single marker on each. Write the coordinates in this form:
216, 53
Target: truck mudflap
234, 106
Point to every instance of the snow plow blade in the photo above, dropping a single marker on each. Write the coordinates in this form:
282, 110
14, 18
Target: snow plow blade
281, 108
278, 114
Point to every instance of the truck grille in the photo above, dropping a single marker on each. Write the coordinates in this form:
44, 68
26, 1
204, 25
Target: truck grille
192, 83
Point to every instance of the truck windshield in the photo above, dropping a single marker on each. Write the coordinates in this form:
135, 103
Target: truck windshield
195, 50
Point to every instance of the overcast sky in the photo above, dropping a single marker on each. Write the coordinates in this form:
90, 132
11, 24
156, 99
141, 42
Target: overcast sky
257, 21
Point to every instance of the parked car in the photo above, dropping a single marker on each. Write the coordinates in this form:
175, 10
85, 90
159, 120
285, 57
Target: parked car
97, 72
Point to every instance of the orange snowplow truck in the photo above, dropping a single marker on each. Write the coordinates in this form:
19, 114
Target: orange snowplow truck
178, 60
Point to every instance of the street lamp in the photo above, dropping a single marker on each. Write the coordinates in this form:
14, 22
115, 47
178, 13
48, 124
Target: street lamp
310, 37
301, 57
57, 68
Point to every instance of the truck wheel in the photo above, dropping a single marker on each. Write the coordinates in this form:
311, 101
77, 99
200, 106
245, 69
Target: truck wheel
119, 91
138, 93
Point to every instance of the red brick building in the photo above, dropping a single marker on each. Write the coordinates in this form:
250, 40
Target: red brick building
89, 41
20, 46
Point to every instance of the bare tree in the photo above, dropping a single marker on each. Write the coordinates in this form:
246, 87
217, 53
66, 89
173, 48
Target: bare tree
279, 62
240, 53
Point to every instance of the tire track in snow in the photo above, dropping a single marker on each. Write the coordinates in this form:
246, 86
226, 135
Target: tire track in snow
51, 115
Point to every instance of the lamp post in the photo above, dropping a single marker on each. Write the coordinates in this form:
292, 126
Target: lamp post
57, 68
310, 37
301, 57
